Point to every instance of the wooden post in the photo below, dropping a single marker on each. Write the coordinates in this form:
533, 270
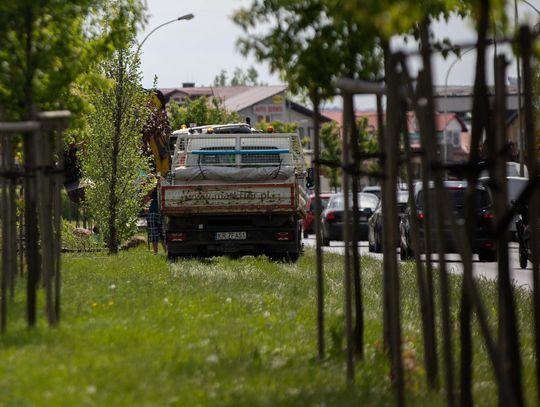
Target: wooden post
389, 197
534, 174
54, 123
425, 286
4, 233
317, 226
44, 162
347, 234
356, 265
508, 332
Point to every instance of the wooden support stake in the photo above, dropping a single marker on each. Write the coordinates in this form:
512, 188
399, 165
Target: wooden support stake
347, 235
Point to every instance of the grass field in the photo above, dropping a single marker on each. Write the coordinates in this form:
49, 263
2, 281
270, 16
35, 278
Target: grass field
137, 331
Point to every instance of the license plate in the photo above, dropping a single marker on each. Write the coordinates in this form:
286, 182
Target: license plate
231, 236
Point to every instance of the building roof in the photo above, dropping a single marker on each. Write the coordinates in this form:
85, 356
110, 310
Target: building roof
441, 119
467, 90
235, 98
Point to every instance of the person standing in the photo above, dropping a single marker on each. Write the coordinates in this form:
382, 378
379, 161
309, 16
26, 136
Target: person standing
156, 234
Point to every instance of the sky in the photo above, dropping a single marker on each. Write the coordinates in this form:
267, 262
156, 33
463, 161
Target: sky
197, 50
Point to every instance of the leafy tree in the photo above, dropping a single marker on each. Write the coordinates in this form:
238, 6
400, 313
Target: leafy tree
48, 46
368, 143
249, 77
278, 126
331, 140
200, 112
113, 160
221, 78
309, 47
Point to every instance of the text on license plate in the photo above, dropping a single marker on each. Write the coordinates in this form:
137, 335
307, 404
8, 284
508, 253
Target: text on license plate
231, 236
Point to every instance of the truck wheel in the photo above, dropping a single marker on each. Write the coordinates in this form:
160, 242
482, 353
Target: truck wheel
291, 257
172, 257
325, 241
305, 234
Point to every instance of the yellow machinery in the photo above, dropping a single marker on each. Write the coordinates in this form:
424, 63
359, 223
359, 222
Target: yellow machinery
157, 131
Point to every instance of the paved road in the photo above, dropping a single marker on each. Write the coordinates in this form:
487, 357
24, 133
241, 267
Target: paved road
521, 277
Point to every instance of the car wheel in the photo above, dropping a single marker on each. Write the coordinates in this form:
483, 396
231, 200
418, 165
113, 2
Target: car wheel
523, 257
487, 256
402, 253
377, 246
325, 241
405, 253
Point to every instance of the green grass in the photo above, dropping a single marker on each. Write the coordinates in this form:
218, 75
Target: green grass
137, 331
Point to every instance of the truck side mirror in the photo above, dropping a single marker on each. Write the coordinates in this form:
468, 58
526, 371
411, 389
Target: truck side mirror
309, 178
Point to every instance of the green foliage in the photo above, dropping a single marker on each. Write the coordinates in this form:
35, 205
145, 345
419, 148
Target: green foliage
278, 126
74, 241
200, 112
331, 151
309, 44
368, 143
250, 77
113, 160
50, 45
136, 331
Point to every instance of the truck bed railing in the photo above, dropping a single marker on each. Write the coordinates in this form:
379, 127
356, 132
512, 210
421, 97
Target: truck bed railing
238, 150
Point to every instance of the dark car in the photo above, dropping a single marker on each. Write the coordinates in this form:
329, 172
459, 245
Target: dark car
482, 243
375, 222
332, 218
307, 223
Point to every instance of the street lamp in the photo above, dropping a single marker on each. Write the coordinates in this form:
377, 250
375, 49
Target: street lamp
184, 17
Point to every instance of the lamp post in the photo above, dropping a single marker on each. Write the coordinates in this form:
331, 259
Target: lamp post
184, 17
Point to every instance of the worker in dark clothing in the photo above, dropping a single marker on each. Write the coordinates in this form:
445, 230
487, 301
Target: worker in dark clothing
155, 225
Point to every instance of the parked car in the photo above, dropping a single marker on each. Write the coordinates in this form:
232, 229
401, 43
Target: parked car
482, 243
515, 186
307, 222
375, 222
373, 189
332, 217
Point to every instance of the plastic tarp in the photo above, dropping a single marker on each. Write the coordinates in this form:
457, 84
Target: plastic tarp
234, 174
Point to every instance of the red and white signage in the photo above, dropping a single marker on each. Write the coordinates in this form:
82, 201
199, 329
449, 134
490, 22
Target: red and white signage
269, 109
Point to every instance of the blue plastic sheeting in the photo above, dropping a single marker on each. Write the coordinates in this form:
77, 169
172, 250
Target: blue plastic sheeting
243, 152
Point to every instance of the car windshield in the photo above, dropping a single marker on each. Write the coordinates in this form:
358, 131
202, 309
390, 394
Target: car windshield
458, 197
402, 196
324, 203
375, 190
365, 201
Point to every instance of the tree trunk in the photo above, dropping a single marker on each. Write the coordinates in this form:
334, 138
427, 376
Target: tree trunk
31, 230
113, 199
